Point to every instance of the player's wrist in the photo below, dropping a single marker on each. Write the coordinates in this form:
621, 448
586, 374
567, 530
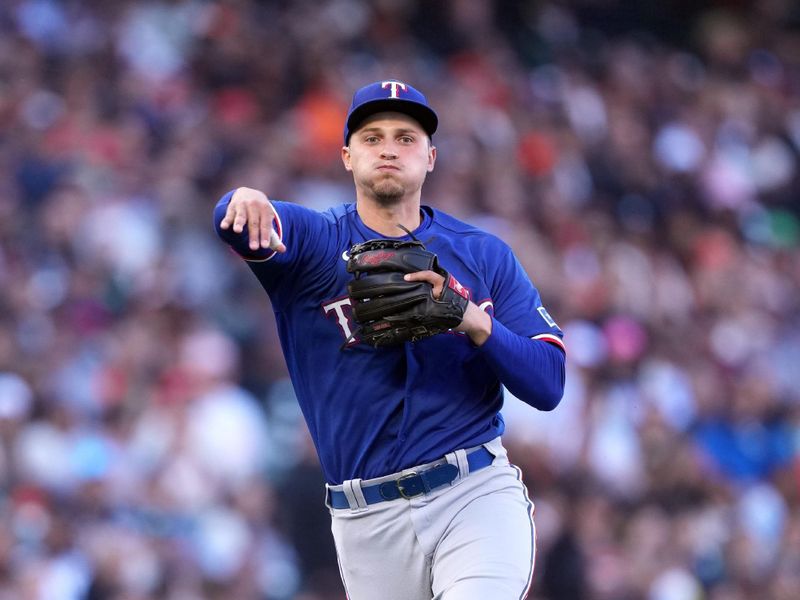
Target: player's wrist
476, 324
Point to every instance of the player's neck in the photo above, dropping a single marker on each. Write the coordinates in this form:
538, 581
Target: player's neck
385, 219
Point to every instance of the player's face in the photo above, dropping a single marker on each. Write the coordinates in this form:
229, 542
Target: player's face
389, 156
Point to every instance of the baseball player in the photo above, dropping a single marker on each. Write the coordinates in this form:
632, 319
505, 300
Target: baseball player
403, 404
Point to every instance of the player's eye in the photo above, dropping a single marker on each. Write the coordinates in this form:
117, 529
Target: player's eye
406, 139
371, 139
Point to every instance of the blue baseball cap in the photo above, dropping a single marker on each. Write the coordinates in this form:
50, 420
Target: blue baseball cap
390, 95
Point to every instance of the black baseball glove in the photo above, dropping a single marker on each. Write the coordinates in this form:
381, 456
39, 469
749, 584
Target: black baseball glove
390, 310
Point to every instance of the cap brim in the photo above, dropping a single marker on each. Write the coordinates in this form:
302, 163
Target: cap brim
421, 113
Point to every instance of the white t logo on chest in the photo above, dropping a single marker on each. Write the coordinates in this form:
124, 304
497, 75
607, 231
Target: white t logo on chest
337, 307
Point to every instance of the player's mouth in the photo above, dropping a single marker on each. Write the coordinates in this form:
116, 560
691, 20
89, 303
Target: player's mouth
387, 168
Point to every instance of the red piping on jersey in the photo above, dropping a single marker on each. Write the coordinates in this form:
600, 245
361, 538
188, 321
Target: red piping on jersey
552, 339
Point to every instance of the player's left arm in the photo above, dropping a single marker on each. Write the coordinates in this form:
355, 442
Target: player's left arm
532, 369
526, 348
521, 342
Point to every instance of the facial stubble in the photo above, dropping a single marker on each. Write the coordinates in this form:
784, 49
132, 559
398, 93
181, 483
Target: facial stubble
388, 191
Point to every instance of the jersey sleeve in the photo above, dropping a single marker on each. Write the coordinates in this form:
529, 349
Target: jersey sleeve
517, 303
534, 372
310, 240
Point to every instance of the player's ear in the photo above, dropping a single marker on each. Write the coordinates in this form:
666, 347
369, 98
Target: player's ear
431, 156
346, 158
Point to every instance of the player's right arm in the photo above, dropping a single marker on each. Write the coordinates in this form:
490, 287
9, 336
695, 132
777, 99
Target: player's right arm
285, 244
250, 210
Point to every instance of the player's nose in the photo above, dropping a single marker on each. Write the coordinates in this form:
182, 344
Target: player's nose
388, 151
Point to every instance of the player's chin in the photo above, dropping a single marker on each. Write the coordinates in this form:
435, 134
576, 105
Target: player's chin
388, 190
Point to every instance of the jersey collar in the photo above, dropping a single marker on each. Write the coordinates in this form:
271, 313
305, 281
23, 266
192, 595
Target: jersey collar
370, 234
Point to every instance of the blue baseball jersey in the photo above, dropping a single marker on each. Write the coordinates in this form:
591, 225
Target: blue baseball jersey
372, 411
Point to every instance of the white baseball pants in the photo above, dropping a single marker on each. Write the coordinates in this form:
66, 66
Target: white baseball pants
471, 540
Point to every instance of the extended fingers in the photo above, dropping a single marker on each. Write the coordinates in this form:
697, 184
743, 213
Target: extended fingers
253, 225
275, 241
230, 218
227, 219
270, 237
251, 208
265, 230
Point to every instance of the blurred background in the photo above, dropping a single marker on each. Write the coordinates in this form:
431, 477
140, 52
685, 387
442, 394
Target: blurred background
641, 157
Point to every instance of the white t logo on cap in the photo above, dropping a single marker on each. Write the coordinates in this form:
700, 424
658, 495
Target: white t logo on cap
393, 85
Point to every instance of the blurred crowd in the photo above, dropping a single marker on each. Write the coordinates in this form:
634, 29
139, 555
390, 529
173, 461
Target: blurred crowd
640, 157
